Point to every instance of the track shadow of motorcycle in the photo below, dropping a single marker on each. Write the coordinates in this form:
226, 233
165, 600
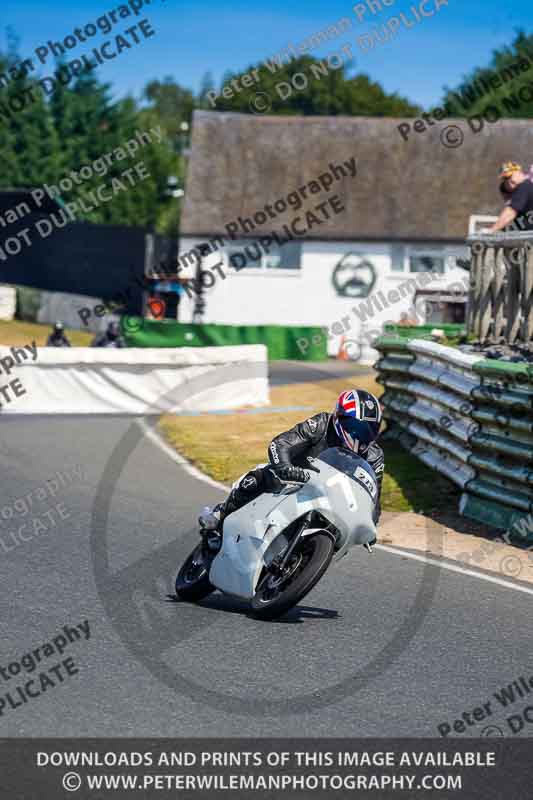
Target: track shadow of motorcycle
276, 548
232, 605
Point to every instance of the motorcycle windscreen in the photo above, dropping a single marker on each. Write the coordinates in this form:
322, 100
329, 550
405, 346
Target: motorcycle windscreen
352, 508
354, 466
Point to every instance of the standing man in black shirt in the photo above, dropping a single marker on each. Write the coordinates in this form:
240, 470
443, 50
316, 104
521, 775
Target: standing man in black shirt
518, 210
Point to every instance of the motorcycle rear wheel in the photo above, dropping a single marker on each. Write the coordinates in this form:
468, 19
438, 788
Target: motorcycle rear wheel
309, 561
192, 581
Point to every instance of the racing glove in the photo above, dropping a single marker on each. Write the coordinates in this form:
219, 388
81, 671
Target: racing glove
289, 474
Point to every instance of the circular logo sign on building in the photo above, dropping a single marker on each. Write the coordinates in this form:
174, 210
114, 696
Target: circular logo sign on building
354, 276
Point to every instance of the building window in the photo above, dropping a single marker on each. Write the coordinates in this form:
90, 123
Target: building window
251, 255
238, 258
397, 257
426, 261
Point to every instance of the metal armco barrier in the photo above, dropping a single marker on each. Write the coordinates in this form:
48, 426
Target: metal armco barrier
469, 419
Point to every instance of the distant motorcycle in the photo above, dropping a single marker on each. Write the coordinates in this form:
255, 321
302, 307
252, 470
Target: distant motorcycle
276, 548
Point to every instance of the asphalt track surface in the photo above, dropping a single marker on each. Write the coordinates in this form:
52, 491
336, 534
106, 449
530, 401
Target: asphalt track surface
283, 372
153, 667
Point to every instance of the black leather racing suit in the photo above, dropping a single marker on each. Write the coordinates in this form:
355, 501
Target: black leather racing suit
57, 340
308, 438
103, 340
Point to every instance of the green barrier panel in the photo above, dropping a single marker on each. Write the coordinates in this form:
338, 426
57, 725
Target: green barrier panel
511, 472
400, 403
506, 370
521, 530
498, 515
391, 343
399, 385
503, 420
282, 342
500, 492
490, 491
450, 329
395, 363
488, 394
499, 444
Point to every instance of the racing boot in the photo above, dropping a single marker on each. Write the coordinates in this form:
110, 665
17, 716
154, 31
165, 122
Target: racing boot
210, 521
375, 518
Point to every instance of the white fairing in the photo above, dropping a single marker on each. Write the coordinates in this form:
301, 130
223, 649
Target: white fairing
346, 502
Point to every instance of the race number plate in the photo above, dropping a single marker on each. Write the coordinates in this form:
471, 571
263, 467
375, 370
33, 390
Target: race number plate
363, 477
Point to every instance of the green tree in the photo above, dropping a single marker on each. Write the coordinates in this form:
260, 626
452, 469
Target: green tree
512, 67
77, 124
33, 134
171, 106
94, 119
29, 136
63, 110
172, 103
207, 85
323, 90
9, 167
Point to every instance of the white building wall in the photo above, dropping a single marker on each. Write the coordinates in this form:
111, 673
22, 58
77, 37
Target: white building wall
254, 296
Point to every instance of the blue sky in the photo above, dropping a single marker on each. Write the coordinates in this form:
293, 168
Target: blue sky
194, 36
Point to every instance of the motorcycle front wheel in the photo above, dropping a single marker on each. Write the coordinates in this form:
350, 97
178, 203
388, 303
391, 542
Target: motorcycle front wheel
277, 594
192, 581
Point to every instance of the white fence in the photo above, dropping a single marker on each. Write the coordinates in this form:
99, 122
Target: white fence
136, 381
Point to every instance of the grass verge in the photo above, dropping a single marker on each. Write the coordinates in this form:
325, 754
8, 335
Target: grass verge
225, 447
17, 333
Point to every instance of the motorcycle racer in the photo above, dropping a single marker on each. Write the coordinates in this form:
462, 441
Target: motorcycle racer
110, 338
58, 337
354, 424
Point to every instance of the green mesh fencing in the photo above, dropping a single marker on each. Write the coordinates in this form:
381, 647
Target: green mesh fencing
303, 343
451, 330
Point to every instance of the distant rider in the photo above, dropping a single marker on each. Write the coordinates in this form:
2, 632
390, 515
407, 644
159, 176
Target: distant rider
57, 338
110, 338
353, 425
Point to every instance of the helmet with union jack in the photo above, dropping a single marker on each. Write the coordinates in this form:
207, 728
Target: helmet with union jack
356, 419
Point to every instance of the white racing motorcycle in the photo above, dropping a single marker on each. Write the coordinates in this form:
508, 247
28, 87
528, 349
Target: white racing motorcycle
276, 548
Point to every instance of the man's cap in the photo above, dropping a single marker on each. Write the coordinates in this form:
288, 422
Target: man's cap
508, 167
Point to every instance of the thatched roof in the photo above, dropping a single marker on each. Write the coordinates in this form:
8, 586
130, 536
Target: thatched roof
416, 189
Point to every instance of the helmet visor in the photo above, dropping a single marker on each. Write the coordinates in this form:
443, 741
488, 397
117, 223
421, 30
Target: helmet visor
355, 433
